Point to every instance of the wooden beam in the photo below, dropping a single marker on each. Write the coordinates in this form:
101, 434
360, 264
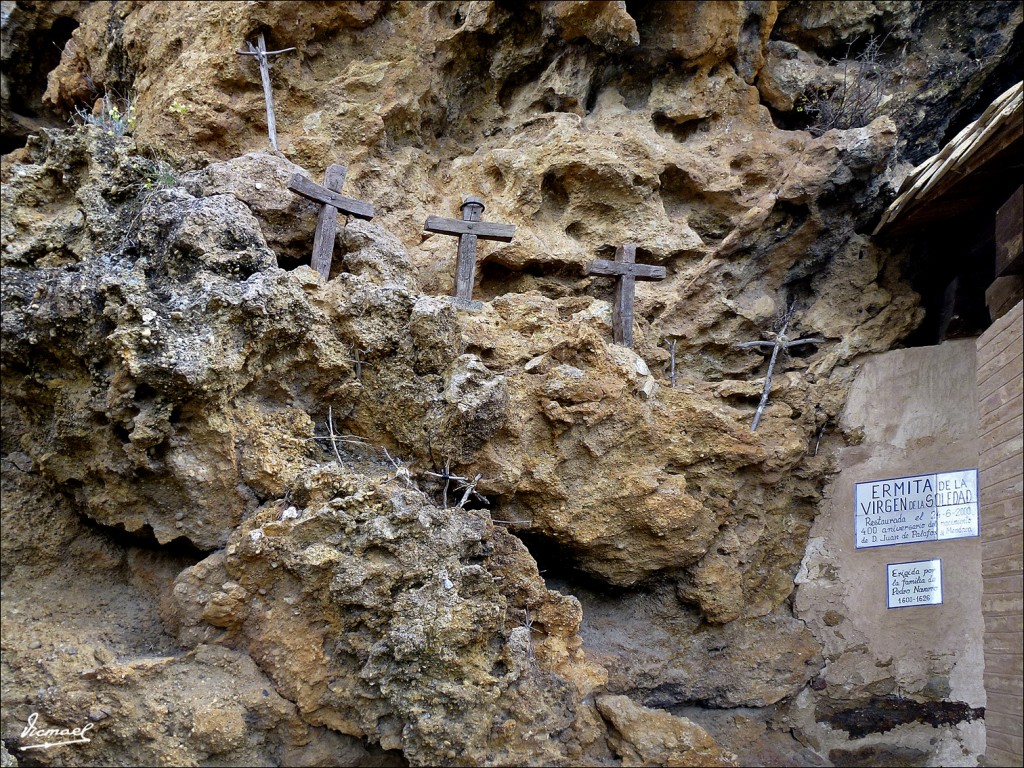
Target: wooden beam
485, 230
313, 191
615, 268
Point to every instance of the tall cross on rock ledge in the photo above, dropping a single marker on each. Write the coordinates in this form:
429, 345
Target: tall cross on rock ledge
261, 53
628, 271
331, 201
468, 230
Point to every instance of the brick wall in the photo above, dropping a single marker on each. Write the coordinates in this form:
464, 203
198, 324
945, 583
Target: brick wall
1000, 376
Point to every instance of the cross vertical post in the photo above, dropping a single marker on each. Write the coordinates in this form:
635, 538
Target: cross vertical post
327, 223
628, 272
465, 267
625, 297
469, 229
261, 53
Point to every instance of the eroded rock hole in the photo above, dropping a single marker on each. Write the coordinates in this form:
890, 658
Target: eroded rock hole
27, 81
552, 281
560, 568
682, 199
554, 197
144, 538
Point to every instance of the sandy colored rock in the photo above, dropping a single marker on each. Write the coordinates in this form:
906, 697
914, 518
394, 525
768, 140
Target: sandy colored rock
386, 618
645, 736
179, 522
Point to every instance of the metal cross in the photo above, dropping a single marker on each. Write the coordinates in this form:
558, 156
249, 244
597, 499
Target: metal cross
331, 201
468, 230
261, 53
628, 272
781, 343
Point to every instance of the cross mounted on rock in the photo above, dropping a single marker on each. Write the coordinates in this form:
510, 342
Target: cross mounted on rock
261, 53
781, 343
468, 230
628, 272
331, 202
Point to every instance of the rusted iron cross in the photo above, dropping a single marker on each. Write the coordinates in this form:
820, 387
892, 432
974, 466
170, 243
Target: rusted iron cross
628, 271
331, 201
468, 230
782, 343
261, 53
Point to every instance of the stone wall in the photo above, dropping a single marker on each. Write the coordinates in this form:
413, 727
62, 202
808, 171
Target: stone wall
890, 674
1002, 514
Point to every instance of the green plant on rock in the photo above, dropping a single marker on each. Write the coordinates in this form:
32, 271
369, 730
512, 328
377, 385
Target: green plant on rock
116, 115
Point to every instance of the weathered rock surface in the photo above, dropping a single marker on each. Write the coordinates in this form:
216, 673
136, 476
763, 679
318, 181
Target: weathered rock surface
645, 736
382, 616
173, 372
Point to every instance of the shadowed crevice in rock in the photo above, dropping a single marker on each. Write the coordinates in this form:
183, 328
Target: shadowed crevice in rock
560, 569
23, 111
180, 548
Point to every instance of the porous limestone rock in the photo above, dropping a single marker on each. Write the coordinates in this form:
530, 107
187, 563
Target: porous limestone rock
173, 371
384, 617
645, 736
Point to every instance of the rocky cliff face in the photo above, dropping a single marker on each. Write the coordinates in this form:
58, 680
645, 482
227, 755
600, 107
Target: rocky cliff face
195, 565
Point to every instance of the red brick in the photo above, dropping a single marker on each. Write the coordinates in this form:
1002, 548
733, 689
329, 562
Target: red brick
1010, 565
1007, 469
1003, 725
1002, 604
1004, 753
1007, 393
1005, 430
1005, 489
992, 418
1004, 451
1004, 702
1008, 526
998, 330
1009, 757
993, 512
995, 548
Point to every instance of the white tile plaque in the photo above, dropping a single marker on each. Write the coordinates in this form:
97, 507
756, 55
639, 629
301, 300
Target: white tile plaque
903, 510
917, 583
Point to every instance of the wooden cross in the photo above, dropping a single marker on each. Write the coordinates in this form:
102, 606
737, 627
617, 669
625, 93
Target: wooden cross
261, 53
781, 343
628, 271
331, 201
468, 229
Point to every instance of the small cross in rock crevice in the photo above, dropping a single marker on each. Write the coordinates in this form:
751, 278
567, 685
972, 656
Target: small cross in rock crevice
781, 343
628, 271
331, 202
468, 230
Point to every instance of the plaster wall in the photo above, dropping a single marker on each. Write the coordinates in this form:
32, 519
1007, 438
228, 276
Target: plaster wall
917, 412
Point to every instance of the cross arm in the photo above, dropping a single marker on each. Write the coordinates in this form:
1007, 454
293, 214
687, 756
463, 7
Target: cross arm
754, 344
265, 53
485, 230
801, 342
308, 189
616, 268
